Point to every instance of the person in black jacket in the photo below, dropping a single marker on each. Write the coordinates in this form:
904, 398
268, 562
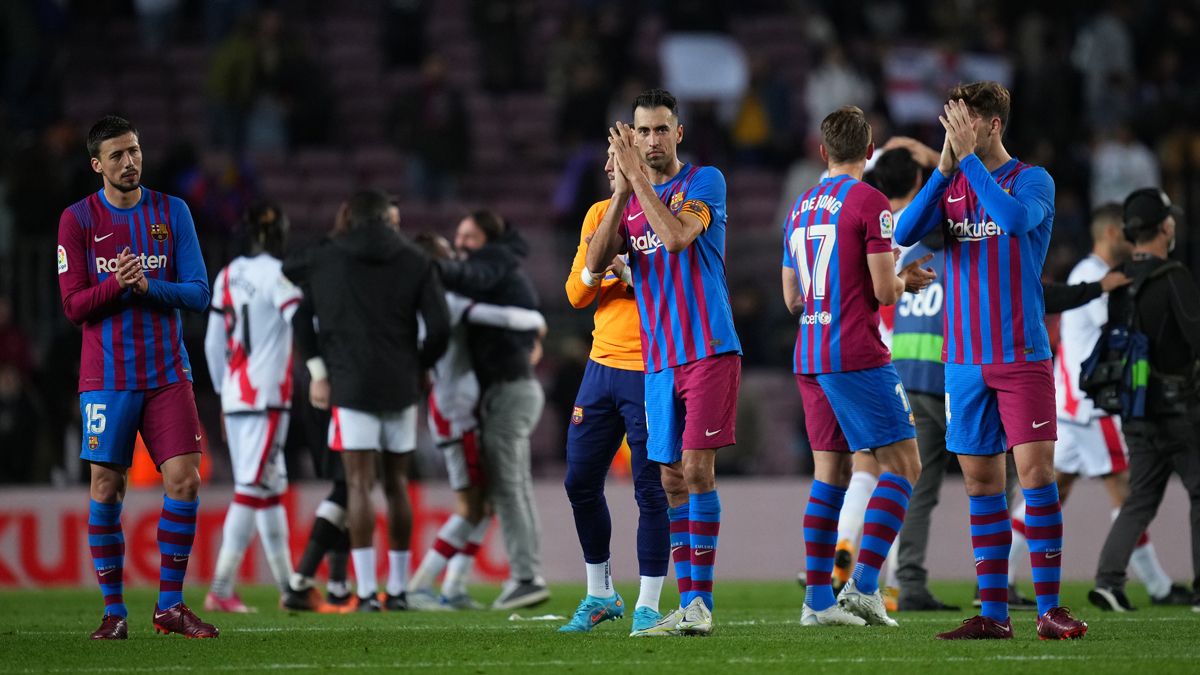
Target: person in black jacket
511, 399
1167, 438
367, 285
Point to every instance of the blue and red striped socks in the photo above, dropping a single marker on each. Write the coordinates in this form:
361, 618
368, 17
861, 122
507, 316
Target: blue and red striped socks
107, 543
176, 532
885, 516
820, 542
991, 539
681, 551
704, 524
1044, 530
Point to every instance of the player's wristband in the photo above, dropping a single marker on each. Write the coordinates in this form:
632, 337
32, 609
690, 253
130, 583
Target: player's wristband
316, 368
627, 276
590, 280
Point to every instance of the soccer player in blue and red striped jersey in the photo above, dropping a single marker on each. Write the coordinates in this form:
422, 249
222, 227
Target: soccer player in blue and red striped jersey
838, 268
128, 261
670, 218
996, 214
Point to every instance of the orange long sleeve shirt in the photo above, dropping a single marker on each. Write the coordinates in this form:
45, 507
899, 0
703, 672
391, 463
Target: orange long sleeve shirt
616, 340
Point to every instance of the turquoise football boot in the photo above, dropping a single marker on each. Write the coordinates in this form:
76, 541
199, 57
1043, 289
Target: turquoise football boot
593, 611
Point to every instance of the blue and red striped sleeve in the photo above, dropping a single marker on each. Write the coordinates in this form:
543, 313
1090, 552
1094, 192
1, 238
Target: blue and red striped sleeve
82, 301
924, 213
1018, 212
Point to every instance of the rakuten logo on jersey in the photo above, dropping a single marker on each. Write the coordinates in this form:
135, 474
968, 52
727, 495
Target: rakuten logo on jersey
646, 243
823, 318
149, 262
964, 230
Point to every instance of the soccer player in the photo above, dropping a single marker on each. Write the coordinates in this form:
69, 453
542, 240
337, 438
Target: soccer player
996, 213
249, 351
128, 261
838, 268
454, 425
611, 405
368, 283
670, 218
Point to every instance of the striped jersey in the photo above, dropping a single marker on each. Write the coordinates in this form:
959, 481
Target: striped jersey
827, 237
997, 227
130, 341
917, 330
249, 341
682, 298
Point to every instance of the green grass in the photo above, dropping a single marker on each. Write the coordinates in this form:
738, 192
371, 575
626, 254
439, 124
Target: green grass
757, 630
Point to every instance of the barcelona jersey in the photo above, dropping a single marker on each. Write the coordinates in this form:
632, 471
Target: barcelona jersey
130, 341
682, 298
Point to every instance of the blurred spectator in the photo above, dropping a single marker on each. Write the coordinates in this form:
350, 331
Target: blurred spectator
1104, 54
231, 86
1120, 165
16, 349
763, 120
18, 427
502, 29
157, 22
431, 124
835, 82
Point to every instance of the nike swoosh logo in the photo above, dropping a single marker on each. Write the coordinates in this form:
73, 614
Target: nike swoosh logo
634, 215
702, 551
676, 548
1054, 554
107, 572
179, 558
161, 615
197, 438
952, 199
710, 434
1039, 425
100, 239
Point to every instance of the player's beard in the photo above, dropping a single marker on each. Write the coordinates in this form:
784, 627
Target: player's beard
123, 185
658, 162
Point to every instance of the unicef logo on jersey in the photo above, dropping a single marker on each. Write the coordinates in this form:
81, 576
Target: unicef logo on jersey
823, 318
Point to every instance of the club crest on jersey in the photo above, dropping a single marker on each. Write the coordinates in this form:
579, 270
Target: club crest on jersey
885, 224
577, 415
93, 442
62, 259
159, 231
676, 200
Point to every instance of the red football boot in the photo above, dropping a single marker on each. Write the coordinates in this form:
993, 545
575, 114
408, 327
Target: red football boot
980, 628
113, 627
180, 619
1058, 624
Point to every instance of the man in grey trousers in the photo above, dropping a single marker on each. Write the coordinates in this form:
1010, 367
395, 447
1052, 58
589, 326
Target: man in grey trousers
511, 397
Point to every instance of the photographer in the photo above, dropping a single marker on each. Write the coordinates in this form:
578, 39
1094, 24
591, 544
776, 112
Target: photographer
1166, 305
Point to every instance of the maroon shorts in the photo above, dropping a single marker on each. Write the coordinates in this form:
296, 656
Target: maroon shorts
166, 416
824, 432
693, 406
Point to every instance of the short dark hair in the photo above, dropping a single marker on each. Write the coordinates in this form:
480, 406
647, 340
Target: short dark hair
1105, 215
845, 133
430, 243
896, 172
109, 126
265, 227
368, 207
986, 98
489, 221
653, 98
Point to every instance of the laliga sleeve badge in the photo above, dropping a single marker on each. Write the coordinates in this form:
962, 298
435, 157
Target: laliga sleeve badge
62, 259
885, 224
577, 415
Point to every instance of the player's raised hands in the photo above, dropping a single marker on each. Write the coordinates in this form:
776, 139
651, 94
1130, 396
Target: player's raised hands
625, 152
960, 128
947, 162
922, 154
915, 277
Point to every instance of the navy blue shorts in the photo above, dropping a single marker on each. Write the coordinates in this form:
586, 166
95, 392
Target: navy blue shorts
610, 404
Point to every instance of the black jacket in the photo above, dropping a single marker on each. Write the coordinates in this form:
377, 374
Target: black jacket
493, 274
366, 288
1168, 309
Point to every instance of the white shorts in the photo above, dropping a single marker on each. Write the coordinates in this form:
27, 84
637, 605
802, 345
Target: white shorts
449, 425
256, 441
464, 464
1091, 450
351, 429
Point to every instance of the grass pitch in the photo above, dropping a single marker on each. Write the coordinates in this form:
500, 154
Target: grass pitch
757, 630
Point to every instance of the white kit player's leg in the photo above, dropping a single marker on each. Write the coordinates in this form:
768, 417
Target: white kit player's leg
273, 530
236, 535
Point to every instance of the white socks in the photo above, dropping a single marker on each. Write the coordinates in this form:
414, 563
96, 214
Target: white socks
273, 529
235, 538
453, 535
854, 508
458, 570
364, 571
599, 579
648, 594
1146, 567
397, 581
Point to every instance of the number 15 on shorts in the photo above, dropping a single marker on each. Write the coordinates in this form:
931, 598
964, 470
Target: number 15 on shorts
96, 421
